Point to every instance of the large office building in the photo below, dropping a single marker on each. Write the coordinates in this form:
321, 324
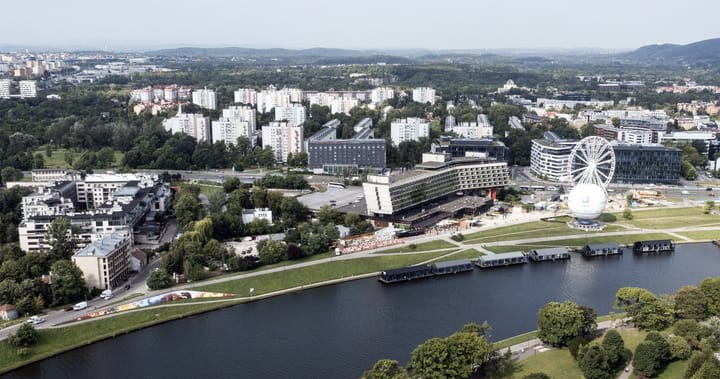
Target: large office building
28, 89
423, 95
348, 156
283, 138
438, 176
204, 98
193, 124
292, 113
105, 263
459, 147
646, 164
549, 156
408, 129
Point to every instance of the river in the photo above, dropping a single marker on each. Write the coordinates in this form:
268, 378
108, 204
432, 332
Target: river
341, 330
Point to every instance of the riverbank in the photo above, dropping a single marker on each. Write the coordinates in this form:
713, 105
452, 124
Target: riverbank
266, 283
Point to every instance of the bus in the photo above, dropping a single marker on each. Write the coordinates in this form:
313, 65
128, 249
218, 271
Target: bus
538, 188
335, 185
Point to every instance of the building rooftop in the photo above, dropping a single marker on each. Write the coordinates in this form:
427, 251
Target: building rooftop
103, 247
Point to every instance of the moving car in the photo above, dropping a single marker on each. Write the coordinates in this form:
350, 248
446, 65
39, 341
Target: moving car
36, 320
80, 306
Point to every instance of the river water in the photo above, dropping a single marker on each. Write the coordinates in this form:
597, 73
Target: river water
339, 331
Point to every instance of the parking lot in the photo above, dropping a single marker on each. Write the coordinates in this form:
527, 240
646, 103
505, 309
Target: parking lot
338, 196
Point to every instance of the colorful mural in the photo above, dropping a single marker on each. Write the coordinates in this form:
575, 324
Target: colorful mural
155, 300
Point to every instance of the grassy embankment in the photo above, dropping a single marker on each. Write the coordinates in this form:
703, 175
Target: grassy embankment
57, 160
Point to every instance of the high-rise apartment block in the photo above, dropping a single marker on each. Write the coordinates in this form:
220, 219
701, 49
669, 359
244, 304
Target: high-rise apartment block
408, 129
204, 98
194, 125
246, 96
380, 94
28, 89
283, 138
5, 88
292, 113
424, 95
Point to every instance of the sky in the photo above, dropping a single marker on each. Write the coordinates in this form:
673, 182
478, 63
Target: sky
357, 24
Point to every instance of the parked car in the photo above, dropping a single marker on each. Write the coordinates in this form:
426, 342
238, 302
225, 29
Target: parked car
36, 320
127, 287
80, 306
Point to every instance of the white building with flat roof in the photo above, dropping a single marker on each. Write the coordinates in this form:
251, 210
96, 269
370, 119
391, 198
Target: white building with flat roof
292, 113
423, 95
271, 98
28, 89
204, 98
192, 124
380, 94
245, 96
283, 138
5, 85
105, 263
408, 129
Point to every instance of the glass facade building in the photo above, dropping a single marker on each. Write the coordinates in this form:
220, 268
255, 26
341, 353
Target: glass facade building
646, 164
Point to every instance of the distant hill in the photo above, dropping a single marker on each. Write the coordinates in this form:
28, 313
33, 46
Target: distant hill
702, 52
255, 53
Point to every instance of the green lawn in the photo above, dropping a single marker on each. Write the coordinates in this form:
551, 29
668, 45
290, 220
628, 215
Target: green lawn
304, 276
702, 235
535, 229
664, 218
464, 254
556, 363
57, 160
504, 344
58, 340
626, 240
425, 246
511, 248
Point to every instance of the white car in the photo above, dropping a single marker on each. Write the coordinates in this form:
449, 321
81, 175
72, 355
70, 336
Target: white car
36, 320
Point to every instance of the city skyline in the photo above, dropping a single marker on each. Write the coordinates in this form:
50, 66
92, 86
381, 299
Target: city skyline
373, 24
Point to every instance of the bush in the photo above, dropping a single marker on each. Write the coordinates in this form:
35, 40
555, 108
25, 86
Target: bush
25, 336
457, 237
412, 246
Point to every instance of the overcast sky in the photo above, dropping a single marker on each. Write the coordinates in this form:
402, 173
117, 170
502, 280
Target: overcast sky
434, 24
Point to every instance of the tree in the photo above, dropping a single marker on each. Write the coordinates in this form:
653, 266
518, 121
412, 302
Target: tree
627, 214
661, 346
10, 174
593, 363
645, 309
25, 336
558, 323
688, 329
59, 234
231, 184
709, 370
386, 369
68, 285
679, 347
645, 360
709, 206
216, 202
697, 359
690, 303
457, 356
328, 214
158, 279
187, 208
536, 375
272, 252
614, 346
711, 289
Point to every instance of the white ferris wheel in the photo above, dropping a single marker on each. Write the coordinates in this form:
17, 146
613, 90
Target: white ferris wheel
591, 161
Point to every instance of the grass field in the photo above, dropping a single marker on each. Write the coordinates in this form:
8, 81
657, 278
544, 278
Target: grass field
535, 229
465, 254
425, 246
304, 276
702, 235
556, 363
665, 218
58, 340
57, 160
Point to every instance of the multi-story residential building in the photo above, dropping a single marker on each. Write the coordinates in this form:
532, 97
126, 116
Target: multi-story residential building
161, 94
711, 108
332, 156
459, 147
343, 105
549, 156
192, 124
283, 138
423, 95
646, 164
380, 94
95, 190
688, 137
322, 99
245, 96
437, 177
408, 129
28, 89
236, 121
105, 263
5, 85
44, 175
292, 113
250, 215
204, 98
125, 208
471, 129
271, 98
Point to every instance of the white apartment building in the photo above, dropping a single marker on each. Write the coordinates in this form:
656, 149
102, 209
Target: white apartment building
97, 189
635, 136
408, 129
380, 94
292, 113
5, 85
105, 263
423, 95
28, 89
466, 130
322, 99
204, 98
283, 138
486, 128
271, 98
236, 121
245, 96
343, 105
194, 125
549, 157
250, 215
689, 137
